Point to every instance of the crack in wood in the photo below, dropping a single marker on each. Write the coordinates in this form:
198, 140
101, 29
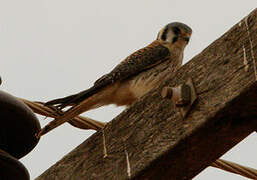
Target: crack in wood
104, 145
245, 60
251, 46
128, 164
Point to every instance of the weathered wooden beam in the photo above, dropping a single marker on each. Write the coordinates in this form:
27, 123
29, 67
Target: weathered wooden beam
150, 140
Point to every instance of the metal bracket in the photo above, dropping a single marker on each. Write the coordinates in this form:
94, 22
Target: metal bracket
183, 96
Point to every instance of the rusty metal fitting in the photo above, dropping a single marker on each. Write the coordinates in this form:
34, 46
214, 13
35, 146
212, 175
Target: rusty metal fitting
183, 96
180, 95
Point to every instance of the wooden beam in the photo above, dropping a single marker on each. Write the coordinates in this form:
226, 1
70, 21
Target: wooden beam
150, 140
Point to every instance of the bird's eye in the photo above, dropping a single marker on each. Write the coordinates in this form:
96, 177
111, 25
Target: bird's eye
176, 30
174, 39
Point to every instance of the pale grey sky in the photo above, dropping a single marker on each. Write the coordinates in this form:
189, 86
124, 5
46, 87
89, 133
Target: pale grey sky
54, 48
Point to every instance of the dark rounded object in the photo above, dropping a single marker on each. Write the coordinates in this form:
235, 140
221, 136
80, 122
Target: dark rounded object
11, 168
18, 126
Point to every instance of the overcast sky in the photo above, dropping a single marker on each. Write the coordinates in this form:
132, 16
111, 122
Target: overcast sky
54, 48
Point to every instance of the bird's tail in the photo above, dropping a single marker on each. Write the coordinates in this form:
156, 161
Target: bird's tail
61, 102
72, 99
85, 105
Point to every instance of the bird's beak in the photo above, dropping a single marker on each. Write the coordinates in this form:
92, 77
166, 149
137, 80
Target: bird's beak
187, 38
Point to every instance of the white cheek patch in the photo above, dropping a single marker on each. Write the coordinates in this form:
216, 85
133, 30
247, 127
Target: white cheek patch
170, 36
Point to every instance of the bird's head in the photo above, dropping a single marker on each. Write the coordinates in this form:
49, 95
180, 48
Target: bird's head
175, 34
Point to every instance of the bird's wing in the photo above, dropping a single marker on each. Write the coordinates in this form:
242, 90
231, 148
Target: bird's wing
137, 62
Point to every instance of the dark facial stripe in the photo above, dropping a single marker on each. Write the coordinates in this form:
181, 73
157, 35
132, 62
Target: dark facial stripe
164, 34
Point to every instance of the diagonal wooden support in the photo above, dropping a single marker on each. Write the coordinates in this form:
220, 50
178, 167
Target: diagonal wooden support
150, 140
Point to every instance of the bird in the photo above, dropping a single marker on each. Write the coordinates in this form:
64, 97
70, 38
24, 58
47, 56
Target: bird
131, 79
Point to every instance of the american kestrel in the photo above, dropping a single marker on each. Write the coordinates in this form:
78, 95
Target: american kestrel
132, 78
